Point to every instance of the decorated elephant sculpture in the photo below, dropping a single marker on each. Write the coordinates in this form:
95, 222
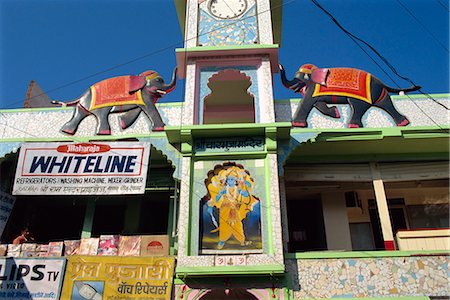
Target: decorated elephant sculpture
360, 89
130, 94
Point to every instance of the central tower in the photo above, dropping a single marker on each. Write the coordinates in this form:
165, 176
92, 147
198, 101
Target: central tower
230, 217
228, 60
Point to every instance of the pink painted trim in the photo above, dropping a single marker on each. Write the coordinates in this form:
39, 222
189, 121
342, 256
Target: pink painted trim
196, 88
419, 229
389, 245
229, 74
183, 57
230, 62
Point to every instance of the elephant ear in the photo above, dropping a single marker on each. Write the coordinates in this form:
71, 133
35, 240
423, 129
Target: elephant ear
136, 83
320, 76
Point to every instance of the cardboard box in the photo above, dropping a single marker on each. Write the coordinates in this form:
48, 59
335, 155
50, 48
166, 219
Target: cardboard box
129, 245
29, 247
3, 249
55, 249
42, 248
88, 246
14, 248
29, 254
71, 247
108, 245
13, 254
154, 245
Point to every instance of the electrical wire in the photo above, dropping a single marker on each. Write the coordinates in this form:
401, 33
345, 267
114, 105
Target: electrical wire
441, 3
423, 26
357, 39
169, 47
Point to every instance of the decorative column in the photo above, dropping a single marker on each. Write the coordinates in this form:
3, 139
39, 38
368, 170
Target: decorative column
383, 211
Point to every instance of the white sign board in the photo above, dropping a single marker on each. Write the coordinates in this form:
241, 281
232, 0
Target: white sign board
39, 278
82, 168
6, 206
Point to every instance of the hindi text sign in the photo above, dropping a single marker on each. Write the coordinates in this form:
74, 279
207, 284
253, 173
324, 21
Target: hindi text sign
119, 277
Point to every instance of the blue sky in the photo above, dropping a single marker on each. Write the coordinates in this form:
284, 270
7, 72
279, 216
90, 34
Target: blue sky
65, 46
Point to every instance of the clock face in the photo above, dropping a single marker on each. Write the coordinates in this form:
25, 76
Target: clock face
227, 9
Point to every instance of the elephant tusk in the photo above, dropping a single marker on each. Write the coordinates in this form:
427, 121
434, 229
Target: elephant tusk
161, 92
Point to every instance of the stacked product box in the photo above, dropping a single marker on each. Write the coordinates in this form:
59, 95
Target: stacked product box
71, 247
154, 245
29, 250
129, 245
55, 249
88, 246
42, 250
108, 245
14, 250
3, 249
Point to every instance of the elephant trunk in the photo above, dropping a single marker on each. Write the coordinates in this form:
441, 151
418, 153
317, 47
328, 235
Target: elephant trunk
294, 84
171, 86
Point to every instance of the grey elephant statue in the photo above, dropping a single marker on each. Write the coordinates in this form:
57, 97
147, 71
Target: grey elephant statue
357, 88
130, 94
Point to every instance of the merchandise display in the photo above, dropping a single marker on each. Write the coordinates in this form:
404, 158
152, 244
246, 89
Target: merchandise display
71, 247
108, 245
88, 246
129, 245
152, 245
55, 248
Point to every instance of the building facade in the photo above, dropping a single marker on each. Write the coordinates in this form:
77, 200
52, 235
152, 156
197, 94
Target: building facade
253, 207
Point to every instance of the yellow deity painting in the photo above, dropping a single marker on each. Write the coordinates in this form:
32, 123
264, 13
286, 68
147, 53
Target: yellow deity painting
231, 213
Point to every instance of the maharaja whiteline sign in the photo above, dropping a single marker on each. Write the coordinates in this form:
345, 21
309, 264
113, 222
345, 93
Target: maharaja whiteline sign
82, 168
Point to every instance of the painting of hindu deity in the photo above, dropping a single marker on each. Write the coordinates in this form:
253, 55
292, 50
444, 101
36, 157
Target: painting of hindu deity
230, 210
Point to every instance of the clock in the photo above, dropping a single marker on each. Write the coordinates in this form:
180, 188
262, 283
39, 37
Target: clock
227, 9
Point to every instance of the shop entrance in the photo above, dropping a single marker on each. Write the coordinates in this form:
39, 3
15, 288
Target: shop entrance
306, 225
71, 217
238, 293
48, 219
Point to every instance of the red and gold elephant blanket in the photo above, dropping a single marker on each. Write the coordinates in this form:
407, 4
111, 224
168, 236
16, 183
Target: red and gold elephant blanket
114, 92
347, 82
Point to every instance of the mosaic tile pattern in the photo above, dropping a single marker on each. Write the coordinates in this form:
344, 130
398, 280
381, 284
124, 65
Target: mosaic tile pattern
184, 211
370, 277
275, 208
267, 110
190, 29
47, 124
420, 112
265, 22
188, 105
218, 32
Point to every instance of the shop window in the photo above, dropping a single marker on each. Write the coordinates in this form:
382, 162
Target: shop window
306, 224
109, 218
428, 216
229, 100
154, 213
361, 236
398, 217
58, 218
48, 219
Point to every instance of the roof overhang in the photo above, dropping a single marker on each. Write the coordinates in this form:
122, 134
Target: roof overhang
184, 54
372, 144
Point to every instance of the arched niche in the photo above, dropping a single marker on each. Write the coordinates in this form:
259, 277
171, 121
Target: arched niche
229, 100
